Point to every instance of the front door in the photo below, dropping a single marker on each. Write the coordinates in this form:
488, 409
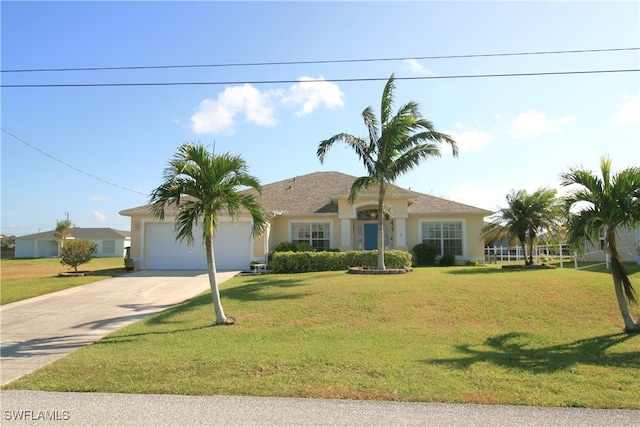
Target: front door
370, 237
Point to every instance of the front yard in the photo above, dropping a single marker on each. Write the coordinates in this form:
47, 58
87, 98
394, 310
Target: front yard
458, 334
28, 278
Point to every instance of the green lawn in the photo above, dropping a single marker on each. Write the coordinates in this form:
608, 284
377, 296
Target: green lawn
460, 334
28, 278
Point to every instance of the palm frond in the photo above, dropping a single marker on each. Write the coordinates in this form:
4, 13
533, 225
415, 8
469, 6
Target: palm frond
201, 185
387, 100
361, 183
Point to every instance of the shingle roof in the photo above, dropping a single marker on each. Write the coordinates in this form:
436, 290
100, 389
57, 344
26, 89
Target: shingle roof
81, 233
317, 192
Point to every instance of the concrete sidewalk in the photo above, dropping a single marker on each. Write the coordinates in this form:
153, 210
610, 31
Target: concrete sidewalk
39, 330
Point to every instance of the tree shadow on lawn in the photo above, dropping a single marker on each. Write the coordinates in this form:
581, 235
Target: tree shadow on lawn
264, 288
170, 316
517, 351
484, 270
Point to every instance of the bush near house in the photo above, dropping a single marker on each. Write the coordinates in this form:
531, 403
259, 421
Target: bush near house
301, 262
425, 254
447, 260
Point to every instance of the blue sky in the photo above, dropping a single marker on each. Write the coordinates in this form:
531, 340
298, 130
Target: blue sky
513, 132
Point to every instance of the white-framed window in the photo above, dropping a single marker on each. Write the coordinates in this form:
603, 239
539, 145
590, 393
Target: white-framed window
109, 246
317, 234
445, 236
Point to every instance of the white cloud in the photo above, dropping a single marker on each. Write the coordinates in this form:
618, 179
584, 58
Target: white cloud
629, 112
535, 122
471, 140
415, 67
312, 93
97, 199
219, 116
99, 216
480, 196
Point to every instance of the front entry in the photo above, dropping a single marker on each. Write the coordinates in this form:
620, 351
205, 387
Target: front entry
370, 237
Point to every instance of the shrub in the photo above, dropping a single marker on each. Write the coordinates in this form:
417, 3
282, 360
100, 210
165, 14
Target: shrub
472, 262
76, 252
447, 260
425, 254
301, 262
304, 247
294, 247
285, 247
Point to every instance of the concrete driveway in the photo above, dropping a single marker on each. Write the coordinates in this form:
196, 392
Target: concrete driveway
39, 330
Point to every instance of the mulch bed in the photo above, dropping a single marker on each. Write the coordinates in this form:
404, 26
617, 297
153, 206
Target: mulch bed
373, 270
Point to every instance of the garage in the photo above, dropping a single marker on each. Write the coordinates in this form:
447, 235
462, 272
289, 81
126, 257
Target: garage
231, 244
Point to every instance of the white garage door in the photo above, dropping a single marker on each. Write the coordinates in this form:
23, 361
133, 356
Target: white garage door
232, 247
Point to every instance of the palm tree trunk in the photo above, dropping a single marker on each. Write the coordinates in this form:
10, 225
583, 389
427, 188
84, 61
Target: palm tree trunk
524, 250
629, 325
617, 271
213, 280
381, 265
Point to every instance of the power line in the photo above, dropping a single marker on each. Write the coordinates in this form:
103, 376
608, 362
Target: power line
329, 61
339, 80
68, 165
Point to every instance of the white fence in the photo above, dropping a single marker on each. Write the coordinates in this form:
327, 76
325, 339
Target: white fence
545, 253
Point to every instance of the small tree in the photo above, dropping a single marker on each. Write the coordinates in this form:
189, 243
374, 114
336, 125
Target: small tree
76, 252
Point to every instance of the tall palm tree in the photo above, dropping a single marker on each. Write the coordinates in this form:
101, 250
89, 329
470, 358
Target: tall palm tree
395, 145
606, 203
526, 217
202, 186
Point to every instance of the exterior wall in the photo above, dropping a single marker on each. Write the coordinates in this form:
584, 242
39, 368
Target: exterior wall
118, 251
627, 242
136, 239
261, 246
32, 248
475, 242
49, 248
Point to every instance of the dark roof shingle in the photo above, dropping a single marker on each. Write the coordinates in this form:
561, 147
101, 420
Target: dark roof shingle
316, 193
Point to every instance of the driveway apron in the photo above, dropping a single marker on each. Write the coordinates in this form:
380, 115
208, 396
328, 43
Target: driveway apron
39, 330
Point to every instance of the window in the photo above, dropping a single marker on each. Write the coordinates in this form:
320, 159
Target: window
109, 247
446, 237
318, 235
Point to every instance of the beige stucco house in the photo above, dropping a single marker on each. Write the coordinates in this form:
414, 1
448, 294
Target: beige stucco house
314, 208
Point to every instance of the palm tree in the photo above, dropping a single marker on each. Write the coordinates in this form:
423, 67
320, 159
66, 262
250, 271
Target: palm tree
395, 145
203, 186
605, 203
525, 218
546, 216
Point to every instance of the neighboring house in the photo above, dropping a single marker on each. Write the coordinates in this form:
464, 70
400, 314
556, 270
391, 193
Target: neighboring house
314, 208
111, 243
627, 242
